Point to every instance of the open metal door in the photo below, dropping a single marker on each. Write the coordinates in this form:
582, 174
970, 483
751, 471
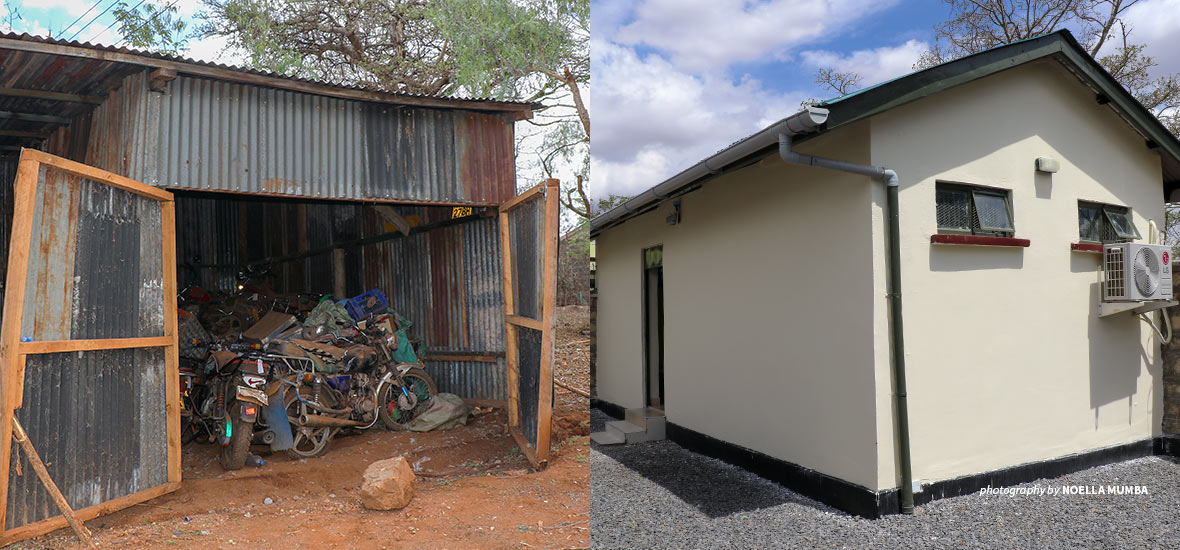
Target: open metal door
528, 234
88, 351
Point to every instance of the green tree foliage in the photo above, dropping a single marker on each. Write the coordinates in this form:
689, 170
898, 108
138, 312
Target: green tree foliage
151, 27
534, 50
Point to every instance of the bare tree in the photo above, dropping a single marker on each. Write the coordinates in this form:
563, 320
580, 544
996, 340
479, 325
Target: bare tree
1099, 25
839, 82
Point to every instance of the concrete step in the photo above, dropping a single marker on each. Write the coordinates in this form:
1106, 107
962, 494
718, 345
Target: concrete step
631, 432
608, 438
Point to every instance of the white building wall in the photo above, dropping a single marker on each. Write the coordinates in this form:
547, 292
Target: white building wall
1007, 361
768, 298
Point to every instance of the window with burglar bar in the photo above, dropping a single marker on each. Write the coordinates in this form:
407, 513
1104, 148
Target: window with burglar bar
971, 210
1105, 223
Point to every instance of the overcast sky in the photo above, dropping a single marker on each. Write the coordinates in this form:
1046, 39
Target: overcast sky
676, 80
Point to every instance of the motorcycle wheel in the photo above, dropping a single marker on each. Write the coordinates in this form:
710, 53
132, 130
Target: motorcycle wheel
308, 442
233, 454
391, 413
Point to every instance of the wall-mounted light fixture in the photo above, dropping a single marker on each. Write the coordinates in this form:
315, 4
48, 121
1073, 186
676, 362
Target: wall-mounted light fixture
1047, 165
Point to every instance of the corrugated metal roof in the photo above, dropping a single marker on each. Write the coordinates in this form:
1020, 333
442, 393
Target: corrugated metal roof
492, 104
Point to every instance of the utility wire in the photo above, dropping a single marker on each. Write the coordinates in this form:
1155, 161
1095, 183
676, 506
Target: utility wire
92, 6
79, 31
113, 23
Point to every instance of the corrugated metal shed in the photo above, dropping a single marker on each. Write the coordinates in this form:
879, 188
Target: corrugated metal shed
209, 135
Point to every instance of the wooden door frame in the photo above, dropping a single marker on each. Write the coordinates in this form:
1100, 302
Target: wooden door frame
14, 352
547, 324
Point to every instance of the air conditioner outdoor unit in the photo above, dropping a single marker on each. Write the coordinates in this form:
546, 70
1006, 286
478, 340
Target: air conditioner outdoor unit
1136, 272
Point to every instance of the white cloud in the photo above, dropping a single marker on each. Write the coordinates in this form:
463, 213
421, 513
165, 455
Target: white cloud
215, 49
701, 35
652, 119
72, 7
874, 65
1155, 24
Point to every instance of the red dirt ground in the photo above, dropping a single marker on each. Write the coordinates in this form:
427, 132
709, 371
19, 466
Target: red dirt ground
475, 489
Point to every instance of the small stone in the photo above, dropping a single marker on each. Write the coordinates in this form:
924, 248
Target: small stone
388, 484
268, 500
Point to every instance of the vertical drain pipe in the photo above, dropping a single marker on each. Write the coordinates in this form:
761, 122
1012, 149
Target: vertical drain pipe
889, 177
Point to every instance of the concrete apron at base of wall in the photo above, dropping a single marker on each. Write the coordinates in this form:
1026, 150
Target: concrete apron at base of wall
860, 501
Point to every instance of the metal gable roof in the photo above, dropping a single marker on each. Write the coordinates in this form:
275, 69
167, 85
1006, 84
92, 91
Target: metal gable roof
1060, 46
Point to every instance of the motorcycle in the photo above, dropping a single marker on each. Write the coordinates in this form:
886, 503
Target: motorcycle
241, 402
367, 387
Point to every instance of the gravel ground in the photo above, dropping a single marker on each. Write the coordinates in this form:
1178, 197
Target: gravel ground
658, 495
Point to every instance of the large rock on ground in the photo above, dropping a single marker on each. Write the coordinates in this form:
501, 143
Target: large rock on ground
389, 484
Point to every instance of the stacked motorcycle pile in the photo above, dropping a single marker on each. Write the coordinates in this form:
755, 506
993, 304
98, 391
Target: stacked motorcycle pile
295, 385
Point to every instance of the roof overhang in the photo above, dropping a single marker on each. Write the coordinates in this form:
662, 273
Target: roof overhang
851, 108
48, 82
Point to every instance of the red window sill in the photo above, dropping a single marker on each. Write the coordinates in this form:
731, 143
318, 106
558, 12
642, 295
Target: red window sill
1086, 247
978, 240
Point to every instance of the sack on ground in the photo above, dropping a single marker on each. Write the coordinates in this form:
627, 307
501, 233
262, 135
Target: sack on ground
443, 412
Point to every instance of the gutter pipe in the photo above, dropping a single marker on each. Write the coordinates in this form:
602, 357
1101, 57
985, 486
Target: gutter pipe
889, 177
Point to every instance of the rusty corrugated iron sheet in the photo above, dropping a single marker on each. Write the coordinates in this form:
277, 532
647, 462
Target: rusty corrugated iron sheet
209, 135
98, 419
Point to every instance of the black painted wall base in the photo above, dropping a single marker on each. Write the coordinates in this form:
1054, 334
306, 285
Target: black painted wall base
865, 502
607, 407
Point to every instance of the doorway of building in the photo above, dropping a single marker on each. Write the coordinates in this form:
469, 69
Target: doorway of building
653, 325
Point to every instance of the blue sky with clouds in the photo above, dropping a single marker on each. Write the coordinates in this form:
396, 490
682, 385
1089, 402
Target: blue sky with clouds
95, 22
676, 80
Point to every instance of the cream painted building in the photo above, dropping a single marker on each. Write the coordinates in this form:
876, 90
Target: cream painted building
748, 297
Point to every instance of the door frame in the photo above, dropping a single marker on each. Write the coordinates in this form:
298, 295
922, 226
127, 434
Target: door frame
538, 456
14, 351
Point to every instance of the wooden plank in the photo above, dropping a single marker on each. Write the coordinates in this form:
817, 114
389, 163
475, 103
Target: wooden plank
33, 117
515, 201
22, 133
25, 190
526, 322
58, 346
493, 403
373, 200
57, 522
54, 492
96, 174
474, 358
51, 96
549, 319
171, 332
523, 110
525, 447
510, 355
